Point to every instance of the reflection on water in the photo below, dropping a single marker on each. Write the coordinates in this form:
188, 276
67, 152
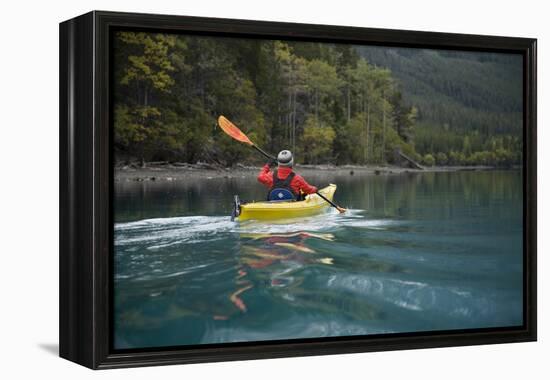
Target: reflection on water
433, 251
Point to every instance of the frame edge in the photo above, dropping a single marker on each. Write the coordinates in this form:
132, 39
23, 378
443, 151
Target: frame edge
84, 319
76, 272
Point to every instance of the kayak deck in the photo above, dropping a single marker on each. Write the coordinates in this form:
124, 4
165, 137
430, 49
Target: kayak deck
312, 205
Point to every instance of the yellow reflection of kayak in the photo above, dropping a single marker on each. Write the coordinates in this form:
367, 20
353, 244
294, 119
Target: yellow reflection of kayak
301, 234
295, 247
312, 205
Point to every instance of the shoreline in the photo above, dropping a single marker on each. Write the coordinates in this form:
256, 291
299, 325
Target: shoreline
168, 172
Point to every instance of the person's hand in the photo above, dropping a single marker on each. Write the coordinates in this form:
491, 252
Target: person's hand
272, 163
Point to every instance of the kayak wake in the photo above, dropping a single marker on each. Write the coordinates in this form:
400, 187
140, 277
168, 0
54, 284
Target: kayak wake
163, 232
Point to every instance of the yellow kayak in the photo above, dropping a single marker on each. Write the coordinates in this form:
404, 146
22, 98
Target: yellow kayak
312, 205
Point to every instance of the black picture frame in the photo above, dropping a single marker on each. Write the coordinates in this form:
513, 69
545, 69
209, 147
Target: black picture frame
86, 188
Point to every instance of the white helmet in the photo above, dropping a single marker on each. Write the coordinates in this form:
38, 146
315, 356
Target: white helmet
285, 158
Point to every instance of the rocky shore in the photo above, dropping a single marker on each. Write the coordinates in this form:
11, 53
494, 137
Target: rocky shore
180, 171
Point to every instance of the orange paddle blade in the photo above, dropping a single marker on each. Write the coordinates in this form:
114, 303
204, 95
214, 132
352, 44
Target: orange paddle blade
232, 130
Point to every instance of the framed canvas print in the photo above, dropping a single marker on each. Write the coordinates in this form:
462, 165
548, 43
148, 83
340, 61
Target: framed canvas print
236, 189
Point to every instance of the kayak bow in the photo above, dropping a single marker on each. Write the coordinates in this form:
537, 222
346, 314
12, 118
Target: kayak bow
312, 205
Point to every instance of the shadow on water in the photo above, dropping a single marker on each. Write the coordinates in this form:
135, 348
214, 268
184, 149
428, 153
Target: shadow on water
414, 253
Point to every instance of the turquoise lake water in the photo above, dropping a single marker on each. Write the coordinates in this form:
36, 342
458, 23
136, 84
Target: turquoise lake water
415, 252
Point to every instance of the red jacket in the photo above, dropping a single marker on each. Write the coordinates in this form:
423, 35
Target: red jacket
297, 184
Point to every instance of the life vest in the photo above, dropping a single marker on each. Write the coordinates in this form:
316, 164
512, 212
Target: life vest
281, 190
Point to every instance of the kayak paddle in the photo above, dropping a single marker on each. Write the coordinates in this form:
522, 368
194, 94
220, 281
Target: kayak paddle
340, 209
233, 131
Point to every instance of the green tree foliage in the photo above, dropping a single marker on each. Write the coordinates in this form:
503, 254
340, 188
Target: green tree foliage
317, 141
290, 78
323, 84
325, 102
148, 62
441, 158
428, 160
464, 99
144, 78
403, 117
241, 108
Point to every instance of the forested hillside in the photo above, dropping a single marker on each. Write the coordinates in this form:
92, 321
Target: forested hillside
469, 103
328, 103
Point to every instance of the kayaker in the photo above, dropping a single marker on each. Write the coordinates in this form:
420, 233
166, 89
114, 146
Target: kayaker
283, 183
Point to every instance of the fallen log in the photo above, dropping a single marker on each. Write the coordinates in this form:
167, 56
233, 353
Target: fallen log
411, 162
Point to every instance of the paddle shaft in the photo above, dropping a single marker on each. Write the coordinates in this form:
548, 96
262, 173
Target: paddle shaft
329, 201
267, 155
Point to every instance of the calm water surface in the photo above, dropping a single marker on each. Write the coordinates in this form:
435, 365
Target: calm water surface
416, 252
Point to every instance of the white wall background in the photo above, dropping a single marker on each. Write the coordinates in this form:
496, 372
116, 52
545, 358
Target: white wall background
29, 187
